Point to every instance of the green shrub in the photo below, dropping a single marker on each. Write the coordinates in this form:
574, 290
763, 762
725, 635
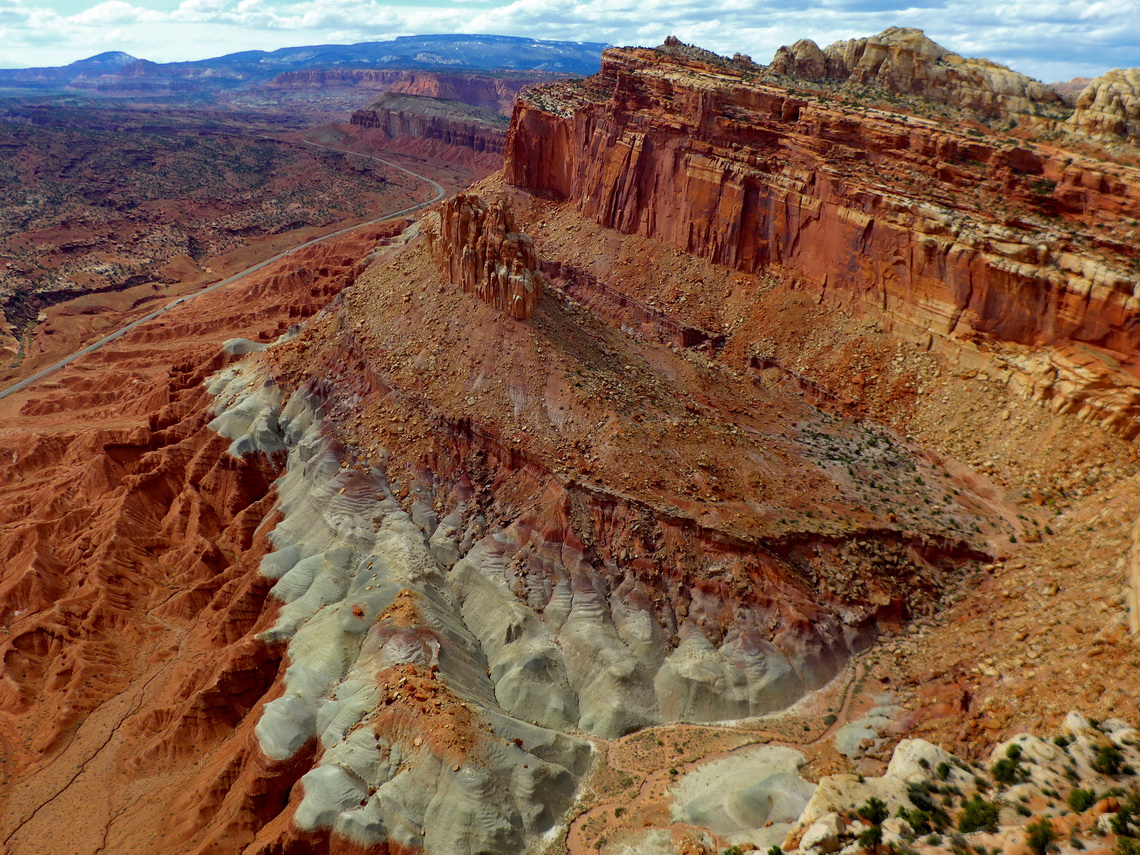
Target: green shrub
1108, 760
978, 814
942, 770
1081, 800
1127, 846
1007, 771
1121, 823
1132, 802
874, 810
918, 820
1039, 836
871, 837
919, 794
775, 850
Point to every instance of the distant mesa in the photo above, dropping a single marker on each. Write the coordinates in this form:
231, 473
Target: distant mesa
1069, 90
108, 60
483, 89
255, 67
478, 248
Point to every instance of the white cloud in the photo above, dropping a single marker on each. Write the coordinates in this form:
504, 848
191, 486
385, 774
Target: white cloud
110, 12
1051, 39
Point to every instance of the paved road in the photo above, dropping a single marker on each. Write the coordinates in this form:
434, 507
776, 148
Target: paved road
91, 348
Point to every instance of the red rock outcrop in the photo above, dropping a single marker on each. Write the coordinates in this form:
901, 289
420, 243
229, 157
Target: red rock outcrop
479, 249
953, 231
1110, 105
904, 59
426, 119
482, 90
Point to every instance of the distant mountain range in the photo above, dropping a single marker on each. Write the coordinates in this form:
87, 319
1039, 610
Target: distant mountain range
115, 70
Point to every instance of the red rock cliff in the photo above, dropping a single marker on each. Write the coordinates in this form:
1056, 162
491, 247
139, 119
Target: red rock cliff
480, 250
448, 122
960, 233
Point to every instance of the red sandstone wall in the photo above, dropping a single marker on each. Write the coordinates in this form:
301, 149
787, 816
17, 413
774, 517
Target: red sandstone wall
859, 203
398, 123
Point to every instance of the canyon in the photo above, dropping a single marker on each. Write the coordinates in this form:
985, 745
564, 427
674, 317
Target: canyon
746, 449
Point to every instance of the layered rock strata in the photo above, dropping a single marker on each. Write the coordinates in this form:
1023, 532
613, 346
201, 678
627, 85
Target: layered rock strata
904, 59
449, 123
872, 209
479, 249
1110, 105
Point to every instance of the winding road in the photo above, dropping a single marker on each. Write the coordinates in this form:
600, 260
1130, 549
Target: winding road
91, 348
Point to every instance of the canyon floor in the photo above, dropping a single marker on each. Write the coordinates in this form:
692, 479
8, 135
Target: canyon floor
86, 242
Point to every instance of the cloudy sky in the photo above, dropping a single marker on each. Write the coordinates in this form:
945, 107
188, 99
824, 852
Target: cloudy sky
1049, 39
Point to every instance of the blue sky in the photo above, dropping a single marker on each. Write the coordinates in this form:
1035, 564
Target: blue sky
1048, 39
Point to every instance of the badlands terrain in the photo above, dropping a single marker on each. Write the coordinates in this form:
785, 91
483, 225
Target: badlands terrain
748, 464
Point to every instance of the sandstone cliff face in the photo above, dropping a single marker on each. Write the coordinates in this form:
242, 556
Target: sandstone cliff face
1110, 105
903, 59
479, 249
449, 123
877, 209
481, 90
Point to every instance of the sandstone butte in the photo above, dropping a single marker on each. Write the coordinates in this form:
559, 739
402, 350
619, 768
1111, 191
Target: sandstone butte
810, 403
905, 60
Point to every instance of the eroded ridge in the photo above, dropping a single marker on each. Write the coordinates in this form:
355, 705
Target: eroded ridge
386, 683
